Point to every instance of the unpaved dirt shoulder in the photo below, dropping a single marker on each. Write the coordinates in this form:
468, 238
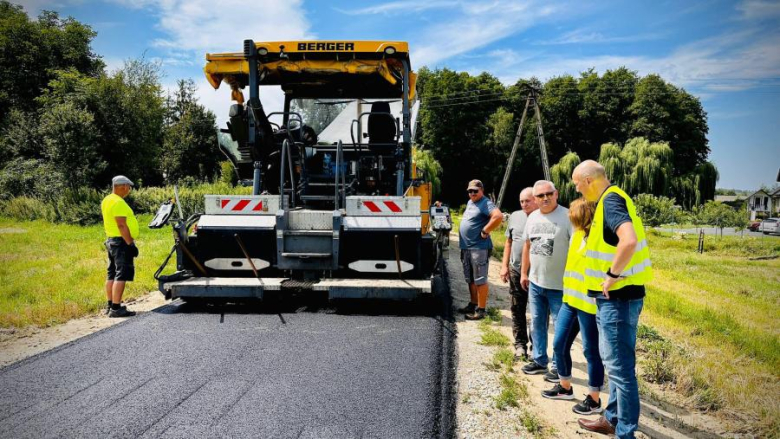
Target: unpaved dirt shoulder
19, 343
478, 386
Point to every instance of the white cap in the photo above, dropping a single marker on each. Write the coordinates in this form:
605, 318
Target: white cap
121, 179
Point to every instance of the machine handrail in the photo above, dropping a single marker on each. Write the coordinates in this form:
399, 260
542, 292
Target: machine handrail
286, 159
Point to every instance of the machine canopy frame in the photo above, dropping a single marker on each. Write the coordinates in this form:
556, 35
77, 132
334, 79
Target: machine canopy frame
319, 69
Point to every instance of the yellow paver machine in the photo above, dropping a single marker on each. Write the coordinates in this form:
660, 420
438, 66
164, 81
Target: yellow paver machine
347, 216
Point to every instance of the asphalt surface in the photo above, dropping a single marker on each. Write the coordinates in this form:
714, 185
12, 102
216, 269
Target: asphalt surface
292, 369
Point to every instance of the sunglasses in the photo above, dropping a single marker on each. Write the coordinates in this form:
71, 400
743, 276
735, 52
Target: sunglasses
473, 191
545, 195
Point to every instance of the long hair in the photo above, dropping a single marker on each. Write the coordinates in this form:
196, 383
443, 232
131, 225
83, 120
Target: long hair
581, 214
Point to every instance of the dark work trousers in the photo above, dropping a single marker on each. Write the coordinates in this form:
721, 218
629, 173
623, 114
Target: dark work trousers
519, 303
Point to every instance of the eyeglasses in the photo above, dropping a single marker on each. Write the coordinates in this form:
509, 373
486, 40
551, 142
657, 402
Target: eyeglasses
473, 191
545, 195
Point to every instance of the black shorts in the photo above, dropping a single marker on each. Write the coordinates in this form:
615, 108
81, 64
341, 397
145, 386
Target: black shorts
120, 260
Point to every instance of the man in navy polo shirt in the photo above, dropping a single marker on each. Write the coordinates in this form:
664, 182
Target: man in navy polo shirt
479, 219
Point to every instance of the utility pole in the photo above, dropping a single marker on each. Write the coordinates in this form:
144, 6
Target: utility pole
531, 100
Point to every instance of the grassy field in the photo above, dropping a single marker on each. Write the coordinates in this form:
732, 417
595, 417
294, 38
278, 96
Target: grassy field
51, 273
710, 325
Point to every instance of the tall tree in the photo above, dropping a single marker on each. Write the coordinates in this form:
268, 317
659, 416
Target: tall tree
32, 51
190, 137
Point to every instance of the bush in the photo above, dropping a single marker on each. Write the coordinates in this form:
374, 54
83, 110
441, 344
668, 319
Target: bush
79, 206
28, 209
655, 211
192, 199
227, 174
82, 206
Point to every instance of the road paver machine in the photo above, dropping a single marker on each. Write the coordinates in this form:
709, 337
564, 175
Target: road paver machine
349, 217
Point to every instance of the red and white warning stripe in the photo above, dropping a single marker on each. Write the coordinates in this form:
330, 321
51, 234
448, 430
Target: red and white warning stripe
241, 205
383, 206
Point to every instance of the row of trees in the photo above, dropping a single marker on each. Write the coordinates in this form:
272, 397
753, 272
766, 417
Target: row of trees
651, 134
656, 211
65, 122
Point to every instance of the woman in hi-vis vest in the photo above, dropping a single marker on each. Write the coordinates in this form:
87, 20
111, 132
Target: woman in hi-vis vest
578, 313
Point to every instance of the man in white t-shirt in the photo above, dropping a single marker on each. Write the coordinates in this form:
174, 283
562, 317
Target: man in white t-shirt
547, 235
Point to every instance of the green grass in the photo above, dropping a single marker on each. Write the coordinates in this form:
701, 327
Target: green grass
511, 392
51, 273
712, 325
492, 337
503, 359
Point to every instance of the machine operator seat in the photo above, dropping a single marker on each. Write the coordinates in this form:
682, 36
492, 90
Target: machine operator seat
381, 128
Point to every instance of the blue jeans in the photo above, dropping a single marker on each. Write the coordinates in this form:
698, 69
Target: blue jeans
566, 329
589, 332
617, 321
544, 303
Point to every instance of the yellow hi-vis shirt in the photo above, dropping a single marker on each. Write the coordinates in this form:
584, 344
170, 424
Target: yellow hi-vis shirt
575, 293
112, 207
599, 254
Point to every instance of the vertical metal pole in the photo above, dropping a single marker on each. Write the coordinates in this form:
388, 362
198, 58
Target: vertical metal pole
407, 134
250, 53
512, 155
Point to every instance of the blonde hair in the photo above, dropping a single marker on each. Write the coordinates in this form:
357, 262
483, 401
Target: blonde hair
581, 214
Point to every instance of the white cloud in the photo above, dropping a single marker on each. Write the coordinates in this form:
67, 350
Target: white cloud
399, 7
759, 9
585, 36
478, 25
732, 62
196, 27
203, 26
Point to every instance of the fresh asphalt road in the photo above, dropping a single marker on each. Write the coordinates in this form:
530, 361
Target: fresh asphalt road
376, 371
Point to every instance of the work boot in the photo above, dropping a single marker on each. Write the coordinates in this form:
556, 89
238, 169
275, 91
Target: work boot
468, 309
121, 312
478, 314
600, 425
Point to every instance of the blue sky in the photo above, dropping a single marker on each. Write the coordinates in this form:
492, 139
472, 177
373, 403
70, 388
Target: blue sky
725, 52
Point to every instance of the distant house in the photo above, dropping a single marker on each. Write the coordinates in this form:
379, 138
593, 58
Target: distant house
764, 205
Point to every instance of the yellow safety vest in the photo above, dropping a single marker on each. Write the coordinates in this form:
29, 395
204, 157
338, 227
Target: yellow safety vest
575, 293
599, 254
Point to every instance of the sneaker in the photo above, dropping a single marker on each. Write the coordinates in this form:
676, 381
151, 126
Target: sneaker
121, 312
558, 392
588, 407
533, 369
107, 310
468, 309
521, 354
478, 314
552, 377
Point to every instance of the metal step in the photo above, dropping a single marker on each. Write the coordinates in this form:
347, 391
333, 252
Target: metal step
328, 233
306, 255
318, 197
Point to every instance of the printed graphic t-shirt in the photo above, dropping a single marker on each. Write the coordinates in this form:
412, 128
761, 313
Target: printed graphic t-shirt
475, 218
514, 230
549, 235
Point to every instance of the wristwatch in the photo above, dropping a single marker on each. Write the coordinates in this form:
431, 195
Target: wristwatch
612, 275
483, 232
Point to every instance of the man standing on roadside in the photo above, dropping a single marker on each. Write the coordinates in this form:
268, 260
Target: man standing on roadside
479, 219
510, 270
547, 235
617, 269
122, 230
